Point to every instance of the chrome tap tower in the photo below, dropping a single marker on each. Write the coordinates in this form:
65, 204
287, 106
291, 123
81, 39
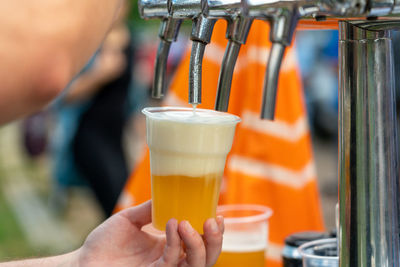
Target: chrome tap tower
368, 155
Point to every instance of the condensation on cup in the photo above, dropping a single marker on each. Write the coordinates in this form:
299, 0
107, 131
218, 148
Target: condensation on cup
188, 149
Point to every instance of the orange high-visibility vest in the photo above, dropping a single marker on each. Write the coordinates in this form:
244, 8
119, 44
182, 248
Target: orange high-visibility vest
271, 163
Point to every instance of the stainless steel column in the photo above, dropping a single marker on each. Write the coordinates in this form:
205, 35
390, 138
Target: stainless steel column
368, 165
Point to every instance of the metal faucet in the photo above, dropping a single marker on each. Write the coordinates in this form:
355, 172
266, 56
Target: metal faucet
237, 32
283, 16
202, 28
283, 21
172, 13
201, 36
168, 33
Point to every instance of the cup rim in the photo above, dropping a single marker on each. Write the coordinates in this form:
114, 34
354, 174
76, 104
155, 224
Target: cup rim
264, 216
307, 245
149, 111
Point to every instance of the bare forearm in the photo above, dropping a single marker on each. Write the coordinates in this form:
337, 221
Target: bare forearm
66, 260
43, 44
84, 87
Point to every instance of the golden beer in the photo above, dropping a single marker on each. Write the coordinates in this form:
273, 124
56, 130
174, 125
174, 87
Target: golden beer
185, 198
241, 259
246, 235
187, 158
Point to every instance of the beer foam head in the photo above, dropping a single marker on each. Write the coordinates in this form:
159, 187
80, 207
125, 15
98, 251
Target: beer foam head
195, 143
190, 115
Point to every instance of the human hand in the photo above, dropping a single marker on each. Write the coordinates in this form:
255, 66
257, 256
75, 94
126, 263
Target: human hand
120, 242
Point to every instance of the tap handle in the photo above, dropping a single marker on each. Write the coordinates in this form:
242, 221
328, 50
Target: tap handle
168, 33
201, 36
271, 80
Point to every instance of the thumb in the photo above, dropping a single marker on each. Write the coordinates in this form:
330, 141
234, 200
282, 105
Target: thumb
139, 215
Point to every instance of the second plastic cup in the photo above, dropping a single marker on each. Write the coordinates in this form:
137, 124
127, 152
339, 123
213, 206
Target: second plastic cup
188, 150
320, 253
246, 235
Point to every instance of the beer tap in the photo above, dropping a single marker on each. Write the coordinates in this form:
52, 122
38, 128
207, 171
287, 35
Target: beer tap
283, 16
173, 12
168, 33
202, 28
283, 25
369, 202
201, 36
237, 32
283, 20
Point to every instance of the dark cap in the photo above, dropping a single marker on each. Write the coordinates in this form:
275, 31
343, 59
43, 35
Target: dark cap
333, 233
298, 239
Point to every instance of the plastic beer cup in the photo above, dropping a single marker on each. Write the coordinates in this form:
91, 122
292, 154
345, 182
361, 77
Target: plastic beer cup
188, 149
245, 239
320, 253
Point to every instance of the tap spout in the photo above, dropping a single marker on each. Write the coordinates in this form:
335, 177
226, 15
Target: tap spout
160, 67
283, 24
271, 81
195, 72
168, 33
225, 76
237, 33
201, 36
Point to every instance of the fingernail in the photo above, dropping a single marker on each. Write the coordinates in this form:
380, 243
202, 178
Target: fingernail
214, 226
188, 227
173, 223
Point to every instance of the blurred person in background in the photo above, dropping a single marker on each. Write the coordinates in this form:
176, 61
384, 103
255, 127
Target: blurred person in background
43, 45
34, 134
271, 162
90, 117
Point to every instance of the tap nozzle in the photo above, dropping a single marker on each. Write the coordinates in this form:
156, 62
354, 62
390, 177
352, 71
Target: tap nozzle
271, 80
226, 75
160, 9
160, 66
283, 25
237, 33
201, 36
283, 17
168, 33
